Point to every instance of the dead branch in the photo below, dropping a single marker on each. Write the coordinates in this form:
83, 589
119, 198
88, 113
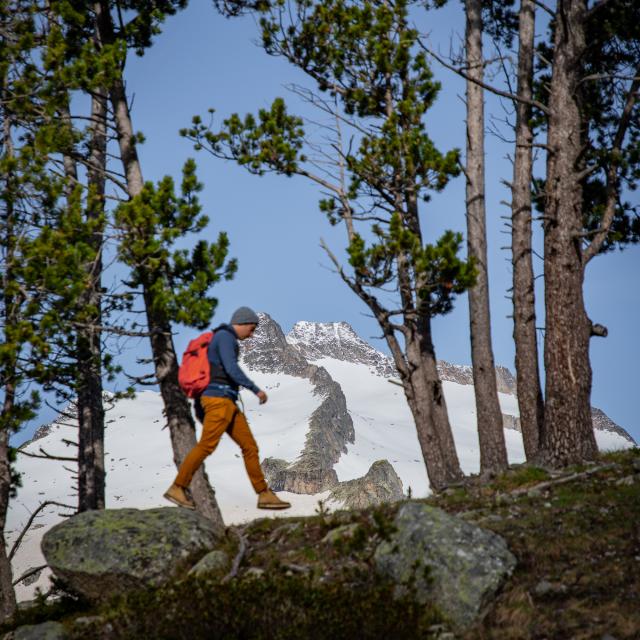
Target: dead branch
28, 574
484, 85
46, 456
562, 480
612, 178
43, 505
242, 548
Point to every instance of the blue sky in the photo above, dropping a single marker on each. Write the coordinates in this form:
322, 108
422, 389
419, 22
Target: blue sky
202, 60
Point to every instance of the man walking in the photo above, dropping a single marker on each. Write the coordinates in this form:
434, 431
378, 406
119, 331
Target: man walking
218, 412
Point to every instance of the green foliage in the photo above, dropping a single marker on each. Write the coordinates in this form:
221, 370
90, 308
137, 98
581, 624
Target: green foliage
440, 272
271, 607
273, 140
367, 57
611, 165
176, 282
520, 477
43, 609
15, 481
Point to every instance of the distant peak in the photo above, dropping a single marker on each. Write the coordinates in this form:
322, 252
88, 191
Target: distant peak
338, 340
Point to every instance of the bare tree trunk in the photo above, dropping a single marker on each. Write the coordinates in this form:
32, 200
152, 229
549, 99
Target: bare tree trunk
568, 431
530, 401
91, 468
7, 595
178, 413
493, 451
177, 408
417, 368
423, 390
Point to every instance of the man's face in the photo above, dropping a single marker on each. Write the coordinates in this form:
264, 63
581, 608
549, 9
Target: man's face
244, 331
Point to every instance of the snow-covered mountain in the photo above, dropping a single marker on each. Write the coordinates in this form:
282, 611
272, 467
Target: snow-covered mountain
332, 417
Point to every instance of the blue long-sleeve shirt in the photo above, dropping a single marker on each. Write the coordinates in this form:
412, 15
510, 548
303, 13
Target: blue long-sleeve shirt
226, 375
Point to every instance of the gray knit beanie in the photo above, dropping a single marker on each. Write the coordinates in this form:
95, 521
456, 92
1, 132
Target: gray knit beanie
244, 315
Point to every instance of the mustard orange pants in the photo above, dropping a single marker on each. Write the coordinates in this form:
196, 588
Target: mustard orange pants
220, 415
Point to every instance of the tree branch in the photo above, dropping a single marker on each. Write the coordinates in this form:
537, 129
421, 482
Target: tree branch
47, 456
18, 542
612, 176
29, 573
242, 548
505, 94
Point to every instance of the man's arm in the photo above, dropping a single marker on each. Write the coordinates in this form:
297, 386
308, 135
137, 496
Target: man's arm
226, 349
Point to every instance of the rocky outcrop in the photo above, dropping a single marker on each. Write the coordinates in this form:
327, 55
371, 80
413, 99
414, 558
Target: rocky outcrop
380, 484
330, 425
215, 562
102, 553
463, 374
602, 422
330, 429
298, 477
269, 352
511, 422
445, 560
316, 340
506, 381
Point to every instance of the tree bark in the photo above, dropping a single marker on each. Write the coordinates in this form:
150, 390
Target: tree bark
530, 401
568, 431
91, 467
7, 595
417, 368
430, 409
177, 408
493, 451
178, 412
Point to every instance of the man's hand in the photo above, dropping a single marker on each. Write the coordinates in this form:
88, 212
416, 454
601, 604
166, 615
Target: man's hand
262, 396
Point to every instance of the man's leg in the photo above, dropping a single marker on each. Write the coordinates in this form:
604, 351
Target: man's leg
241, 434
218, 413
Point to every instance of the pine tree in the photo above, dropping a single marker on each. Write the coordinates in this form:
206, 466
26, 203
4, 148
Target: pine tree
174, 288
167, 293
592, 124
363, 55
584, 98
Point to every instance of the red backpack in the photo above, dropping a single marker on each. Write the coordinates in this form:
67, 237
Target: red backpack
194, 372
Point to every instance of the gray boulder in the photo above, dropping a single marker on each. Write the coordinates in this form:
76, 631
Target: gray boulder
215, 562
102, 553
451, 563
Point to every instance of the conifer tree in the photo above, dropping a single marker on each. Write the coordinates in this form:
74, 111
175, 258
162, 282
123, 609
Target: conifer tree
174, 288
592, 136
584, 108
363, 55
21, 344
164, 281
73, 233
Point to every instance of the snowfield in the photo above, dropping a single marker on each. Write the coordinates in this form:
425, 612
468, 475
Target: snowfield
140, 465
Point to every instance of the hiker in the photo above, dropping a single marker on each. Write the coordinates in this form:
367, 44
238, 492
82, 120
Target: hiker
217, 410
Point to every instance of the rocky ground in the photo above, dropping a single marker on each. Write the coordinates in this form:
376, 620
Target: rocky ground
575, 537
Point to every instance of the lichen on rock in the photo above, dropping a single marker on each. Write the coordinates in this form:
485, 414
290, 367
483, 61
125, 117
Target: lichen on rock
447, 561
102, 553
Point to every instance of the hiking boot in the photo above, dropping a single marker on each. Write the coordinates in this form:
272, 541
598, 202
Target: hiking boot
269, 500
179, 496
